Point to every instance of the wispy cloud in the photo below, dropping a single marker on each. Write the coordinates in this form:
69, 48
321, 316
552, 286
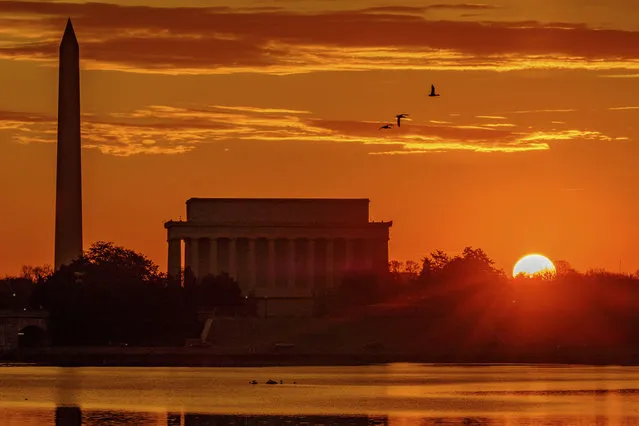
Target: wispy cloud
491, 117
619, 75
225, 40
538, 111
471, 6
499, 125
623, 108
171, 130
423, 9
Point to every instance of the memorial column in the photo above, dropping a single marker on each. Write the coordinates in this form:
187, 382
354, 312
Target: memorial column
310, 264
187, 253
213, 269
233, 258
195, 257
290, 261
271, 263
348, 255
251, 264
330, 264
368, 255
175, 258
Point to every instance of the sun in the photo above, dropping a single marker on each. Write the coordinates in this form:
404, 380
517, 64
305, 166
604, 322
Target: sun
533, 264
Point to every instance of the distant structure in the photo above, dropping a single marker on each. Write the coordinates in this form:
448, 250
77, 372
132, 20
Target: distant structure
278, 248
22, 328
68, 206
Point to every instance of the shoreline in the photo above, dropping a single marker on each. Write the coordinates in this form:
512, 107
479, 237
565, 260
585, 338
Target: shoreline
206, 357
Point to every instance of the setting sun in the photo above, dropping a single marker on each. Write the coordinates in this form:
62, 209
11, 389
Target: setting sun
533, 264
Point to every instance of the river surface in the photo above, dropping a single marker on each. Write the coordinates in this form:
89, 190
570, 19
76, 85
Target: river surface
394, 394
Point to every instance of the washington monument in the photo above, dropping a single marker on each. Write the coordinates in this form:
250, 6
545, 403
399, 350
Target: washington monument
68, 202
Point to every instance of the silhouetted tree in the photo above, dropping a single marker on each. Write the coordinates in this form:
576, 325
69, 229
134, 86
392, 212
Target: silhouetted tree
395, 266
111, 294
36, 274
107, 264
439, 260
427, 269
411, 267
471, 264
563, 268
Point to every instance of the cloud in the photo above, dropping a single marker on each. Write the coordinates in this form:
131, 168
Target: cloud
499, 125
538, 111
423, 9
225, 40
172, 130
463, 6
619, 76
623, 108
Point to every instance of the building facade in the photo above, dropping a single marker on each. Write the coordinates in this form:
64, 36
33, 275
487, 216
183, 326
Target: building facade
278, 248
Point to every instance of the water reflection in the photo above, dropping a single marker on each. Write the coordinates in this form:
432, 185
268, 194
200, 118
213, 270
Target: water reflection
74, 416
229, 420
68, 416
397, 395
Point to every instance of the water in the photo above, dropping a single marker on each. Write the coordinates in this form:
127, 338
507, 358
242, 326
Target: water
395, 394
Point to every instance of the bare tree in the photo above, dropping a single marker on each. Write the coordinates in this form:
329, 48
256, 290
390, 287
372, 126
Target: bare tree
563, 267
412, 267
36, 274
395, 266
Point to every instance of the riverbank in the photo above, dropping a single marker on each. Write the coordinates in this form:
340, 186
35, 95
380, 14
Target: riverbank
209, 357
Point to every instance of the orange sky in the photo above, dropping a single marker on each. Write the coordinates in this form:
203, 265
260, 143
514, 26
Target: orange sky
531, 146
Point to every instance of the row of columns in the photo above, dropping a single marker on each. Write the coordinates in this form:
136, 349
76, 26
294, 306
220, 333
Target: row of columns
194, 260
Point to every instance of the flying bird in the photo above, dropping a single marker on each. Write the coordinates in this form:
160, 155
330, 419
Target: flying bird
432, 91
399, 117
386, 126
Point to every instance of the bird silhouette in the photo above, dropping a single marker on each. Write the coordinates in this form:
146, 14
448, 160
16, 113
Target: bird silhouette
432, 91
399, 118
386, 126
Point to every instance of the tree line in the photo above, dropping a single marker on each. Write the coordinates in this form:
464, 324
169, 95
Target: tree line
113, 295
466, 300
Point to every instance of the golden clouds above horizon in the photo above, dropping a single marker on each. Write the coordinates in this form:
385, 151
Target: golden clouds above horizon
163, 129
218, 40
273, 40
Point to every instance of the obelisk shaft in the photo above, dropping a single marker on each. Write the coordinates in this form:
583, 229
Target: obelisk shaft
68, 209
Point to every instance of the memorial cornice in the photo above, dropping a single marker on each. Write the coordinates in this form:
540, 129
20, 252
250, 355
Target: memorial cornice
191, 224
182, 230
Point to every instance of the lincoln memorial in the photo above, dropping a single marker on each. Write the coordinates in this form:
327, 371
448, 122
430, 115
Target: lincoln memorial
278, 247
